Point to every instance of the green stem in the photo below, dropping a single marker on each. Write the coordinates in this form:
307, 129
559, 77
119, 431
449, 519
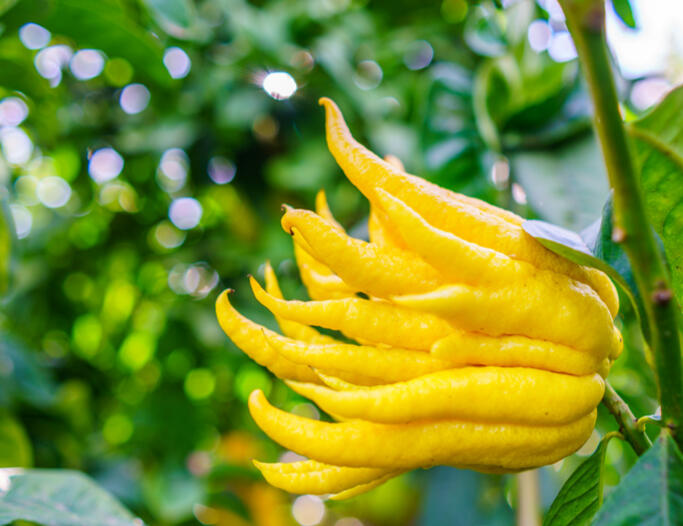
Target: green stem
627, 421
586, 23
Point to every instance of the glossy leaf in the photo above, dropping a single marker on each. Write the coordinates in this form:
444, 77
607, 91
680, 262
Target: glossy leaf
581, 495
651, 493
658, 145
58, 498
624, 11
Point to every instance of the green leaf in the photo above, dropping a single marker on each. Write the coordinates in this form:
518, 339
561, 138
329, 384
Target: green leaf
178, 18
658, 148
58, 498
623, 10
651, 493
101, 25
566, 186
15, 447
581, 496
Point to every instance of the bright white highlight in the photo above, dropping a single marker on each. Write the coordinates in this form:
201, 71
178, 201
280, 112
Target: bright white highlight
177, 62
34, 36
279, 85
87, 64
105, 164
134, 98
185, 213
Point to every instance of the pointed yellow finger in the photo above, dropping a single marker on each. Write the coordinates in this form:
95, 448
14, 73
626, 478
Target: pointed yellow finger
373, 321
470, 348
336, 383
512, 395
388, 365
315, 478
250, 337
376, 270
292, 329
578, 320
477, 223
364, 488
323, 210
420, 444
320, 282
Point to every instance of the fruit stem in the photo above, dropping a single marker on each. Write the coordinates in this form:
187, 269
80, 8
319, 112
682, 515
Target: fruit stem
637, 438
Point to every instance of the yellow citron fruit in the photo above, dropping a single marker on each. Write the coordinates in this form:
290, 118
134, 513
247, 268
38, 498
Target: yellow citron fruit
472, 345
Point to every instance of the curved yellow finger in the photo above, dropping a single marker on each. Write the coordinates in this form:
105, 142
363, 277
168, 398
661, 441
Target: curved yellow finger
380, 230
316, 478
388, 365
469, 348
483, 224
480, 394
532, 308
322, 208
372, 321
376, 270
250, 337
292, 329
364, 488
320, 282
420, 444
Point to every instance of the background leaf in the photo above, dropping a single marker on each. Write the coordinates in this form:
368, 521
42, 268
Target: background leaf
58, 498
581, 496
658, 142
624, 11
651, 493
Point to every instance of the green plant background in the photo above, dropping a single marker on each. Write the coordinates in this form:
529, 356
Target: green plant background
111, 360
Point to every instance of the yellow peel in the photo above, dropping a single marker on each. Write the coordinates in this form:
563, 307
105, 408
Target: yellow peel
364, 488
250, 337
372, 321
420, 444
481, 394
468, 348
376, 270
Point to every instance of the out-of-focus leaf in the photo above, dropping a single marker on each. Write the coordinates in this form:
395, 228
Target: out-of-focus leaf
658, 142
6, 4
101, 25
308, 168
15, 447
178, 18
581, 495
566, 186
6, 241
624, 11
58, 498
483, 33
22, 377
479, 499
651, 493
171, 494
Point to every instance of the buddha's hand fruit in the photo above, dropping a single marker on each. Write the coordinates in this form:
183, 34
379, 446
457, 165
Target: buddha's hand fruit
476, 346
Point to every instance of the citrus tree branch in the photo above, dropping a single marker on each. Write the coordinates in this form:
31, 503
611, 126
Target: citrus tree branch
586, 23
627, 421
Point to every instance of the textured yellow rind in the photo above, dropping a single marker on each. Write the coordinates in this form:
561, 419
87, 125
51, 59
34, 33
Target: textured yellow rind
250, 337
388, 365
420, 444
526, 309
376, 270
481, 224
467, 348
373, 321
316, 478
477, 394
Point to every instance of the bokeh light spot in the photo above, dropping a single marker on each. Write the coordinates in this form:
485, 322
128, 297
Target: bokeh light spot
561, 48
23, 220
118, 72
199, 384
134, 98
16, 145
177, 62
221, 170
173, 169
419, 55
117, 429
86, 64
168, 236
34, 36
50, 61
136, 350
308, 510
279, 84
105, 164
13, 111
539, 35
368, 75
53, 191
249, 378
86, 335
185, 212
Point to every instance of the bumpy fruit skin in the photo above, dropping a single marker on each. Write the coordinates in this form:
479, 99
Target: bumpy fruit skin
475, 346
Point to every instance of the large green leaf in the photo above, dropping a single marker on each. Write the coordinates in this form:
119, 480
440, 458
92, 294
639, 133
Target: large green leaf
658, 146
651, 493
581, 496
58, 498
102, 25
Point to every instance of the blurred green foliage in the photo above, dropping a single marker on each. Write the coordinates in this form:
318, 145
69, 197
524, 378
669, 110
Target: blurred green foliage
111, 360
